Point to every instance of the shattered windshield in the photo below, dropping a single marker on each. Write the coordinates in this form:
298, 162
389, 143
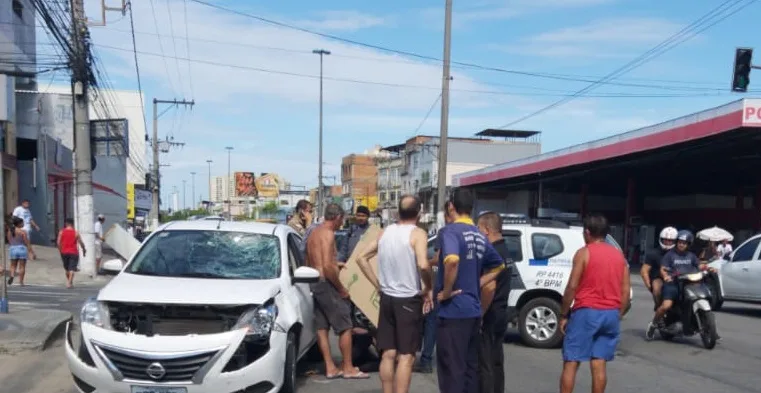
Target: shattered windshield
209, 254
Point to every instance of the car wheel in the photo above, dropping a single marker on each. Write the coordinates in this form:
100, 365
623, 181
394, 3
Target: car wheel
289, 374
539, 323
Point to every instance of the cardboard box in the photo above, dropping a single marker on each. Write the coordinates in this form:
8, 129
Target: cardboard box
362, 292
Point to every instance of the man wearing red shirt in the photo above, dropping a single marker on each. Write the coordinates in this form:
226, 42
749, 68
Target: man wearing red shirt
599, 290
68, 238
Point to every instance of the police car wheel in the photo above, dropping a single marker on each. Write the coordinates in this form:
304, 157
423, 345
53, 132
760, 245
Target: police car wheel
539, 323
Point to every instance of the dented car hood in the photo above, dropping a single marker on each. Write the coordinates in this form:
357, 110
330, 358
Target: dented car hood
134, 288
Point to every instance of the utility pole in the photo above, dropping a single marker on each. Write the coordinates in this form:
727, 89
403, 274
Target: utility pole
82, 148
442, 172
193, 188
209, 206
184, 204
322, 53
156, 181
229, 183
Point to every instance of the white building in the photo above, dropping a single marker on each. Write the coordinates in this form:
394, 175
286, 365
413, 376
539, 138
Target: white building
120, 104
221, 188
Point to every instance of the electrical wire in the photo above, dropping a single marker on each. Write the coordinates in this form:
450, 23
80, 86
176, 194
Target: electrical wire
187, 47
161, 48
399, 85
427, 115
174, 44
668, 44
137, 68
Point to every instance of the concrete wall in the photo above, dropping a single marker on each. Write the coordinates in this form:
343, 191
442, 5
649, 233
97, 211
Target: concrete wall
17, 35
111, 172
50, 154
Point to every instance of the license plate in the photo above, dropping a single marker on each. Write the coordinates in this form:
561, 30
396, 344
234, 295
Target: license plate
158, 389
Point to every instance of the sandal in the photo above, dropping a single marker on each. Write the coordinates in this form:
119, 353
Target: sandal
358, 375
337, 375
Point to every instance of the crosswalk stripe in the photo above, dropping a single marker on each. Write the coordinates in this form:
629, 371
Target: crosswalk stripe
40, 293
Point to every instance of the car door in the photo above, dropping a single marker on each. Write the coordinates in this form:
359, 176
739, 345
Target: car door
302, 294
736, 277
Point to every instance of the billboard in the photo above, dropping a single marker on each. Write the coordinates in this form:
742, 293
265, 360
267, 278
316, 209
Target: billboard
245, 186
138, 201
268, 186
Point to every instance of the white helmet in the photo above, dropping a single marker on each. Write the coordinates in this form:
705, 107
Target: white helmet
668, 233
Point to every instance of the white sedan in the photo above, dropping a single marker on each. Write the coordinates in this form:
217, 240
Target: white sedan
740, 275
202, 306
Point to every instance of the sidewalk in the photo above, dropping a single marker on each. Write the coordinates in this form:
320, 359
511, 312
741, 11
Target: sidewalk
34, 329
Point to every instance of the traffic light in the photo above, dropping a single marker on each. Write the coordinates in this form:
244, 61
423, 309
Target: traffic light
741, 78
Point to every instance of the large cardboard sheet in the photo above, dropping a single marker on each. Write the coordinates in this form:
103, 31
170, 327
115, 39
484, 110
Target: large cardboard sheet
362, 292
121, 241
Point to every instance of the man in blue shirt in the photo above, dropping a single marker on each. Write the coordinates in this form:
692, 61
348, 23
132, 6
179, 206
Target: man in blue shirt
465, 254
676, 262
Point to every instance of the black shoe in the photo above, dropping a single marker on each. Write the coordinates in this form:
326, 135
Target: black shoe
10, 281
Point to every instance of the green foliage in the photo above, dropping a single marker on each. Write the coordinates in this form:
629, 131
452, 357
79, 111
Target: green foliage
184, 214
270, 208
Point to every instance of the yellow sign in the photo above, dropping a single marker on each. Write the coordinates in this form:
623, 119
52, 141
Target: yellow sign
268, 186
130, 200
371, 202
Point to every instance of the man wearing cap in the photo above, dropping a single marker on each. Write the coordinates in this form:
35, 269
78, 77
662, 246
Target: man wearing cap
98, 228
356, 231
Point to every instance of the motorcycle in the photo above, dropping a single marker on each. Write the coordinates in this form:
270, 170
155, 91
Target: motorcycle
692, 313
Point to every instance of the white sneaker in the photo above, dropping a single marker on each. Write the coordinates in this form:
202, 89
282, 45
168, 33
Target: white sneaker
650, 333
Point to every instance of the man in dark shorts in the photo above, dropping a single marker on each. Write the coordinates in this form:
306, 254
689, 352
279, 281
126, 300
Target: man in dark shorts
331, 298
494, 296
68, 239
651, 269
464, 254
402, 251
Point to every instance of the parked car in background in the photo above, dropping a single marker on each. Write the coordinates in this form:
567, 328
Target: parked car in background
202, 306
739, 277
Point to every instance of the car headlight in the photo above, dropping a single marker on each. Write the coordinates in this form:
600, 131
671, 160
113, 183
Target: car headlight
95, 313
258, 321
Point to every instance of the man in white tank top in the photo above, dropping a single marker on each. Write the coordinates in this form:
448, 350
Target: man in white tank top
402, 263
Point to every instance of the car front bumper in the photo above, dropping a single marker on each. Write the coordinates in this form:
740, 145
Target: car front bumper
107, 369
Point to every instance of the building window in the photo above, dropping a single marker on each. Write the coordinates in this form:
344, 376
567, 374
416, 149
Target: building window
18, 9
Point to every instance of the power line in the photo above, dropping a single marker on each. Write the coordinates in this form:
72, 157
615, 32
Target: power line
465, 65
427, 115
399, 85
187, 48
161, 47
642, 59
174, 43
137, 68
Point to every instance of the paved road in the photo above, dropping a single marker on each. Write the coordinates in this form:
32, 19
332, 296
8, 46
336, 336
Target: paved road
679, 367
55, 297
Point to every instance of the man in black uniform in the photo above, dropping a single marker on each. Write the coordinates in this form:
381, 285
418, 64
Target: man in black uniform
494, 295
651, 269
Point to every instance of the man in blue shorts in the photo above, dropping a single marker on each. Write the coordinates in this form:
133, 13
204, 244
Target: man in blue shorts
598, 288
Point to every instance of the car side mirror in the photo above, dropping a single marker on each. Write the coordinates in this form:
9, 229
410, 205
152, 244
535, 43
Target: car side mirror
306, 275
112, 267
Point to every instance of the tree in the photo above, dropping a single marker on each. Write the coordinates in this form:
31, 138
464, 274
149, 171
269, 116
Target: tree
270, 208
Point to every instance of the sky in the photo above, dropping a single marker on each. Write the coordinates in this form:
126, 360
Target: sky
256, 84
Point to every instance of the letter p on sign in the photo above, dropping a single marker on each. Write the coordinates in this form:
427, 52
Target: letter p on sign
752, 113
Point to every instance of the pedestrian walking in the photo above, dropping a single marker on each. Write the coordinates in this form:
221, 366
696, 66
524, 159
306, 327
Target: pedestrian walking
19, 250
68, 239
464, 254
402, 263
598, 288
331, 298
24, 213
491, 359
98, 228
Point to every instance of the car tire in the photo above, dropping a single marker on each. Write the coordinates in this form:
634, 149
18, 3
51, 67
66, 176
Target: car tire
543, 311
289, 373
716, 300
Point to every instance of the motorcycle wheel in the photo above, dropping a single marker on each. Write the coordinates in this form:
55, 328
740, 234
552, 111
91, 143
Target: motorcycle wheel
708, 329
666, 336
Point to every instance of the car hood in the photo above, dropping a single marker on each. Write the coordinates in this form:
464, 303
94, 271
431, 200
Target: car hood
134, 288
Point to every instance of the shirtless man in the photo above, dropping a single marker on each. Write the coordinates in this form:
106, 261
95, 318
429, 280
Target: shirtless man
331, 299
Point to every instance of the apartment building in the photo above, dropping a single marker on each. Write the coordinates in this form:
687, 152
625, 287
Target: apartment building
420, 159
390, 164
359, 178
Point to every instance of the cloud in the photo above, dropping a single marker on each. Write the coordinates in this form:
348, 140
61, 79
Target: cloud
344, 21
609, 38
289, 52
495, 10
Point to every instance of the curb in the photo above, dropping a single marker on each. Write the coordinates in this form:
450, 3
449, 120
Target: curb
34, 330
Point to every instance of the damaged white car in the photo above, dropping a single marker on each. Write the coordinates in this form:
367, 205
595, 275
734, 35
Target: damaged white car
202, 306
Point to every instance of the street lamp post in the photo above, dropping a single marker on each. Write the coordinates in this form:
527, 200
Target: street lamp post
193, 190
209, 162
322, 53
229, 181
184, 201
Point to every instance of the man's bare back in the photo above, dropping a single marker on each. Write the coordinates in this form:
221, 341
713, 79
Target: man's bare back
321, 255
